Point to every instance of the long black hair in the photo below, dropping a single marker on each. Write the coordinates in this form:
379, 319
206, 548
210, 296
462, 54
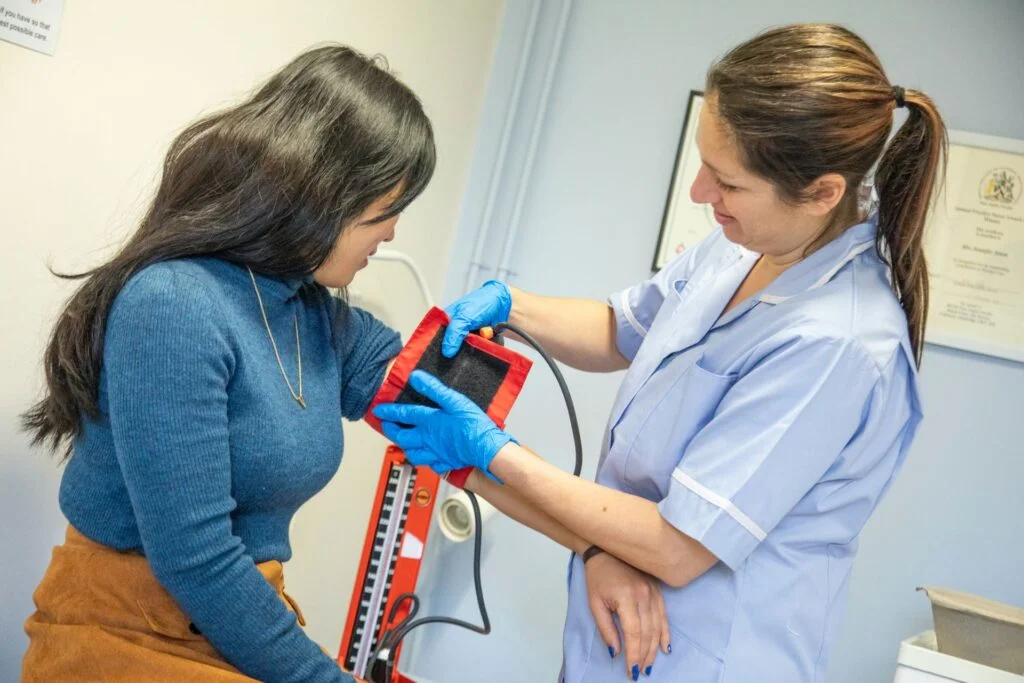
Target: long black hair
270, 183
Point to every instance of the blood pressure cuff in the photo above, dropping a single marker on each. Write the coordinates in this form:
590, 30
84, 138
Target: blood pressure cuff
485, 372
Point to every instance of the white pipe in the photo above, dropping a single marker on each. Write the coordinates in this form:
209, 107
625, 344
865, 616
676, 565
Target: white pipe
531, 152
499, 165
406, 260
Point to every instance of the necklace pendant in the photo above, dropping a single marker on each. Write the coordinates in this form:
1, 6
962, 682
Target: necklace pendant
300, 401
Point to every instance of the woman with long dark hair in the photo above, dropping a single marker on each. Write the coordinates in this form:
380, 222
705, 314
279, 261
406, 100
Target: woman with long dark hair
196, 382
771, 393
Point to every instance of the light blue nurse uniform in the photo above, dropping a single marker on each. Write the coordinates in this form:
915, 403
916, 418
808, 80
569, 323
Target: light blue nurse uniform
768, 434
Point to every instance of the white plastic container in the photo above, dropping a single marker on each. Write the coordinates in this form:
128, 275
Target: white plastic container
920, 662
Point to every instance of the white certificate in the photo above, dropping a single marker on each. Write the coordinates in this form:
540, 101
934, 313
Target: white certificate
975, 248
684, 223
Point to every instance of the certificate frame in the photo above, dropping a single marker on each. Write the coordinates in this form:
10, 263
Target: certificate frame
940, 250
683, 223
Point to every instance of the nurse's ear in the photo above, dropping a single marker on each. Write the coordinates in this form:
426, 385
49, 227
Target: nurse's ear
824, 194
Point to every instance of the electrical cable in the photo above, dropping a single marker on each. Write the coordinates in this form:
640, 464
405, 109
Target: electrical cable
574, 424
392, 638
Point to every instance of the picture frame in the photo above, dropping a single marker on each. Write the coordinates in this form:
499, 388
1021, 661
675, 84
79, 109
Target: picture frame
974, 246
684, 223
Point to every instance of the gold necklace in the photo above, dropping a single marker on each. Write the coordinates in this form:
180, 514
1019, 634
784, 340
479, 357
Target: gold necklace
298, 343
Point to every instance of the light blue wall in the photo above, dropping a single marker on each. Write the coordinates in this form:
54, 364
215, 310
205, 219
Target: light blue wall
590, 221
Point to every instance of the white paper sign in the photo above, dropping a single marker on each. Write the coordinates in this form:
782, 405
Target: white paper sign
31, 23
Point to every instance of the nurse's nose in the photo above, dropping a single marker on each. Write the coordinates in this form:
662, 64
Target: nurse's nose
704, 189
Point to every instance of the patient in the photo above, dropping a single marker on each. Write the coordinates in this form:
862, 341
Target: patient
197, 380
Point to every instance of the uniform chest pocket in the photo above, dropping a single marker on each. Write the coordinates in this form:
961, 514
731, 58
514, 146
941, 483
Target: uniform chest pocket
666, 414
662, 319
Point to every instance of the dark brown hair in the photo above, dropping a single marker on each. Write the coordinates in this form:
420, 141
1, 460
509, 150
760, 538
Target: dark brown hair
809, 99
270, 183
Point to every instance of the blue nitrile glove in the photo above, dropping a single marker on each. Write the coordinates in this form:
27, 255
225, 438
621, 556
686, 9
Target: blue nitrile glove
484, 307
456, 435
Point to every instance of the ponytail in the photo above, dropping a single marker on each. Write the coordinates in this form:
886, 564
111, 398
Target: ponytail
909, 171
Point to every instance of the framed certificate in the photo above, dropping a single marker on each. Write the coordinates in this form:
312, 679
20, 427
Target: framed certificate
974, 243
684, 223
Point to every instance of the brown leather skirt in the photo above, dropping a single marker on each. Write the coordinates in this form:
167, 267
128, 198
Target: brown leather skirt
101, 615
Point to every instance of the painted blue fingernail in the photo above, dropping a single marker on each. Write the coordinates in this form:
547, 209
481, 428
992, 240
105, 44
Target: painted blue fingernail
636, 672
647, 671
611, 651
670, 648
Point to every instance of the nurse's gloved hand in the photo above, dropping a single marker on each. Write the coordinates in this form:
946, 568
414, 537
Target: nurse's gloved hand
484, 307
616, 589
456, 435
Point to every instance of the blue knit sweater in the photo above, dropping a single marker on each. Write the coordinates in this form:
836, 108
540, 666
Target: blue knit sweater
201, 457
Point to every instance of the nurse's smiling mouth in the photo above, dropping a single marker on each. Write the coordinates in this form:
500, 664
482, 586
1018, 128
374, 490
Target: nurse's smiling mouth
721, 216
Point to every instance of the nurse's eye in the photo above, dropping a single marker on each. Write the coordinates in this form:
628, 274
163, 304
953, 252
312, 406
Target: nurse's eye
725, 187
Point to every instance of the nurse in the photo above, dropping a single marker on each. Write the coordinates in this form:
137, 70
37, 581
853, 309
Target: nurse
771, 392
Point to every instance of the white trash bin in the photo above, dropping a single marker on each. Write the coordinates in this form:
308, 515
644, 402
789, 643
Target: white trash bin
920, 662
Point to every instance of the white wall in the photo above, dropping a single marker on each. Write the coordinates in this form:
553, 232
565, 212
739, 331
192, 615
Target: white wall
81, 138
591, 216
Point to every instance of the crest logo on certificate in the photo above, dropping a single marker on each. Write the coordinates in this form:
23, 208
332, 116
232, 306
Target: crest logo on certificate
1001, 185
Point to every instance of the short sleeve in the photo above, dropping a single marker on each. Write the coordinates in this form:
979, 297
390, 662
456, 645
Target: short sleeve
364, 346
775, 433
636, 307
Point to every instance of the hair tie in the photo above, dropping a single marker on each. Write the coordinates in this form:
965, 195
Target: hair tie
898, 92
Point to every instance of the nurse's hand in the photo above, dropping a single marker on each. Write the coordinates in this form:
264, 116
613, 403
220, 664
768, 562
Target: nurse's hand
484, 307
615, 587
456, 435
